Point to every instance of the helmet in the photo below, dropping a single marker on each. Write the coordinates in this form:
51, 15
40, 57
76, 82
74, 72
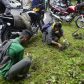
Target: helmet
53, 25
36, 9
57, 25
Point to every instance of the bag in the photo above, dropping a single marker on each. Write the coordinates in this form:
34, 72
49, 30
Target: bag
3, 49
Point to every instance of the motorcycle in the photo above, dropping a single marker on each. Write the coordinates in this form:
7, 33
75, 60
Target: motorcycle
66, 15
11, 29
62, 14
80, 21
80, 18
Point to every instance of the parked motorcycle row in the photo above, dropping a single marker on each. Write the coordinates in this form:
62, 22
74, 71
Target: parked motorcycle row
58, 12
11, 29
67, 14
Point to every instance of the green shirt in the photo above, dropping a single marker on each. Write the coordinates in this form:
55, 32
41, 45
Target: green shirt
15, 52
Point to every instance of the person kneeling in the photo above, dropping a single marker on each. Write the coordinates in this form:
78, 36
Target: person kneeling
52, 34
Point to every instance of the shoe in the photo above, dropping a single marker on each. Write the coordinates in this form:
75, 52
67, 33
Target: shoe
24, 76
27, 76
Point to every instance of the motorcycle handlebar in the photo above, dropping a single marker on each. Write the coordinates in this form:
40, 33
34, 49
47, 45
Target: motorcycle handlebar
55, 16
5, 17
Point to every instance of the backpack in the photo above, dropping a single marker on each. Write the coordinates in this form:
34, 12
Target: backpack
3, 49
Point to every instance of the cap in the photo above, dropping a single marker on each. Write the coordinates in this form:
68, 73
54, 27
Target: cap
36, 9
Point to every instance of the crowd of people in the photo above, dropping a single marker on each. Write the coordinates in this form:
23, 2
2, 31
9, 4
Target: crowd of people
12, 64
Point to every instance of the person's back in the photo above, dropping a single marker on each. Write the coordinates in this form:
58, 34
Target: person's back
46, 33
12, 52
22, 21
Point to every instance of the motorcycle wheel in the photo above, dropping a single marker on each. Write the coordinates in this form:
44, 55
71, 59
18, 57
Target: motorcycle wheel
6, 34
80, 22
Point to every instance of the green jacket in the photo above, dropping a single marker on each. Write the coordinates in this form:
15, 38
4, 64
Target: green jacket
15, 52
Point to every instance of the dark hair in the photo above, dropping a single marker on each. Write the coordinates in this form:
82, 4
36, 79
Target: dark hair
27, 33
58, 25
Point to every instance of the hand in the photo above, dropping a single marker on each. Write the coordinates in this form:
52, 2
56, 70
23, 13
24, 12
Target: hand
29, 54
59, 45
65, 40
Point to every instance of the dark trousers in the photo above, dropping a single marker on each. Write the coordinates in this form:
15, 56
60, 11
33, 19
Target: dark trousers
20, 68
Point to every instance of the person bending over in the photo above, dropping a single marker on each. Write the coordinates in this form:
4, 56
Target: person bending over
14, 65
52, 33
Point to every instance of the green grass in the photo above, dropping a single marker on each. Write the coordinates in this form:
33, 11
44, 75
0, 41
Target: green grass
51, 66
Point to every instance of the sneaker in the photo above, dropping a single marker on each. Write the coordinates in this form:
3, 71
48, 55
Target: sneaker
24, 75
27, 76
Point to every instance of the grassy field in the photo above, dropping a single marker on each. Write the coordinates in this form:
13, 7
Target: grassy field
51, 66
54, 66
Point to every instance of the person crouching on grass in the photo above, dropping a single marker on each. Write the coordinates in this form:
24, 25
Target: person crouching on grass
52, 34
14, 66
